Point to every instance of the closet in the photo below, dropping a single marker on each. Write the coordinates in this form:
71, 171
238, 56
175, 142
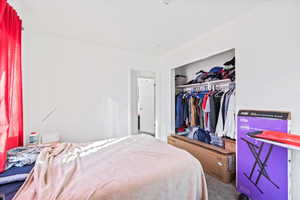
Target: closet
205, 112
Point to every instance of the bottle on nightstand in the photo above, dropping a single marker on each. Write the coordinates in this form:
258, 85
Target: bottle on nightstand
34, 138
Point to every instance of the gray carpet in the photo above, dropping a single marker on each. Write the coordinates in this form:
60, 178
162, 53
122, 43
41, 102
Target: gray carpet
218, 190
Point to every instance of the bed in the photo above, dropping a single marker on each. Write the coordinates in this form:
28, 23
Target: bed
131, 168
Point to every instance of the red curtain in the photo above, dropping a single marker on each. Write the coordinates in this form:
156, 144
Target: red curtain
11, 105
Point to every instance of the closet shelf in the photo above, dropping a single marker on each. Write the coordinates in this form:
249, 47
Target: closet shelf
218, 82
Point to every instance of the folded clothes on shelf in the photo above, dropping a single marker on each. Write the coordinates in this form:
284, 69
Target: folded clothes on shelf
227, 71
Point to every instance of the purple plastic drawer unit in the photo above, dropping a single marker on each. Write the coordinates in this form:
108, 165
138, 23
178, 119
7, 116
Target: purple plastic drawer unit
262, 168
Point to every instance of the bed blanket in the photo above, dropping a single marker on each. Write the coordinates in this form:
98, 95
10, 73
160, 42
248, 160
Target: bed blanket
131, 168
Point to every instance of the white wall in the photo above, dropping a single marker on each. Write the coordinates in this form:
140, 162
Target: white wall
86, 83
267, 44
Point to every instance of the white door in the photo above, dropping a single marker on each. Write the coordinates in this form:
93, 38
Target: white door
146, 105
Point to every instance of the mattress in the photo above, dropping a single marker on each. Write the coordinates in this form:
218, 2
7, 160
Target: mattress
130, 168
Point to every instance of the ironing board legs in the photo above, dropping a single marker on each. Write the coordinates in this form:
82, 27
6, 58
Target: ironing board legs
261, 164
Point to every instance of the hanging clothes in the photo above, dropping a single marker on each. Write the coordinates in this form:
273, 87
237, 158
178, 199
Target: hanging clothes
215, 104
200, 112
194, 115
206, 110
210, 112
225, 106
186, 111
220, 123
229, 128
226, 120
179, 111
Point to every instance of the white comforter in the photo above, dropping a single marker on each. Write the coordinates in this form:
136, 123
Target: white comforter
130, 168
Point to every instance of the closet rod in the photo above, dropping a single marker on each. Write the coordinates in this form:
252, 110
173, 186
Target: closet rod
205, 83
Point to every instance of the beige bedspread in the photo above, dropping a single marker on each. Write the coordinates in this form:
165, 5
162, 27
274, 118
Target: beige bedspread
130, 168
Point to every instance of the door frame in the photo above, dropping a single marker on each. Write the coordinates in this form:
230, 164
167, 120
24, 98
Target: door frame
133, 99
154, 97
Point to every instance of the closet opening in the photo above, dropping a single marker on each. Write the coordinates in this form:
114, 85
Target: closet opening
143, 103
204, 113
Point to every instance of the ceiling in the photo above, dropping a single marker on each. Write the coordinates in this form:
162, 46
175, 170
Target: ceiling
145, 26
